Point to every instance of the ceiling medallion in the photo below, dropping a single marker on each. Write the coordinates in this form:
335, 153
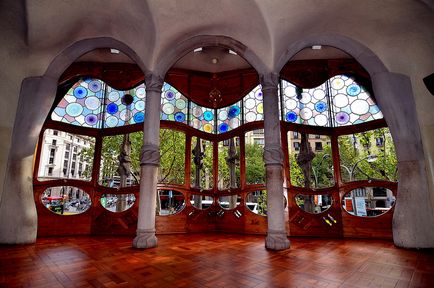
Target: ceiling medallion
215, 97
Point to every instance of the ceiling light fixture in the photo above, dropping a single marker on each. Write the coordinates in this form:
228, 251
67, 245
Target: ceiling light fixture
114, 51
215, 60
232, 52
197, 50
316, 47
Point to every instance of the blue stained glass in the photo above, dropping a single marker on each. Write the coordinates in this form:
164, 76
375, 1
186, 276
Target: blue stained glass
95, 86
291, 117
80, 92
353, 90
223, 127
91, 119
139, 117
208, 116
320, 106
112, 108
234, 111
179, 117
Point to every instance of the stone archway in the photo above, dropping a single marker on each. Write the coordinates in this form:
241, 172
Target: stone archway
18, 218
394, 94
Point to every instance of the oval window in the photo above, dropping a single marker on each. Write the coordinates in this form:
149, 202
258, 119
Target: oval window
117, 202
314, 203
256, 202
170, 202
229, 202
201, 202
66, 200
368, 201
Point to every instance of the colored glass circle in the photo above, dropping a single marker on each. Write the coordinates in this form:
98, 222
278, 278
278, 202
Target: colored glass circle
197, 112
342, 118
318, 94
112, 108
80, 92
360, 107
74, 109
320, 106
250, 103
250, 117
179, 117
111, 121
223, 127
340, 100
168, 108
260, 108
170, 95
305, 98
180, 104
127, 99
290, 104
141, 92
353, 90
123, 115
208, 115
113, 96
290, 91
338, 83
234, 111
208, 128
139, 117
223, 115
140, 105
258, 94
305, 113
91, 119
321, 120
94, 86
196, 123
234, 123
92, 103
291, 116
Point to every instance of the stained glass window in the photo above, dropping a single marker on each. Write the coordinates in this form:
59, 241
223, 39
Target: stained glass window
92, 103
174, 105
340, 101
202, 118
229, 118
253, 106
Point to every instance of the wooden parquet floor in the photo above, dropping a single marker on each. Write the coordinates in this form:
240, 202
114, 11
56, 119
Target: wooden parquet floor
213, 260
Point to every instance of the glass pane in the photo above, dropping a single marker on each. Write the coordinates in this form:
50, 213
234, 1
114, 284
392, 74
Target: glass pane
201, 202
351, 102
253, 105
229, 202
66, 155
368, 201
256, 202
314, 203
82, 105
254, 150
172, 161
170, 202
120, 160
66, 200
368, 155
117, 202
202, 118
229, 118
201, 164
174, 105
310, 160
229, 164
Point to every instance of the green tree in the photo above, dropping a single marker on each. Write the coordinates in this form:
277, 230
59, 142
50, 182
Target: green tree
255, 167
172, 161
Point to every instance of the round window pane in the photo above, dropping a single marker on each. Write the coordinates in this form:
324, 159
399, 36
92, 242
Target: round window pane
117, 202
256, 202
229, 202
170, 202
368, 201
314, 203
66, 200
201, 202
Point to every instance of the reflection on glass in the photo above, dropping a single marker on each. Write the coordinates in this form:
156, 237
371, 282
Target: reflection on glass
311, 162
201, 202
229, 202
172, 161
201, 164
66, 200
314, 203
256, 201
117, 202
229, 164
368, 155
368, 201
170, 202
66, 155
120, 160
254, 150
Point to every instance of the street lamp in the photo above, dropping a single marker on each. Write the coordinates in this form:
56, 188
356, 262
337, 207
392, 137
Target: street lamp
369, 158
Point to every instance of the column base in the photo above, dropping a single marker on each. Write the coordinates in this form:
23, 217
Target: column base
276, 240
145, 239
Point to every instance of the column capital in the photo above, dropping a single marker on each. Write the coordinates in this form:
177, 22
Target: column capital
153, 83
269, 81
150, 155
273, 154
145, 239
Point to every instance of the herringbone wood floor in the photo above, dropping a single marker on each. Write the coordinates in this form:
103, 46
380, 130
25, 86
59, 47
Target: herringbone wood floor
213, 260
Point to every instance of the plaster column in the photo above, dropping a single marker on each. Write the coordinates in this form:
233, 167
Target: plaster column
149, 162
273, 157
413, 219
